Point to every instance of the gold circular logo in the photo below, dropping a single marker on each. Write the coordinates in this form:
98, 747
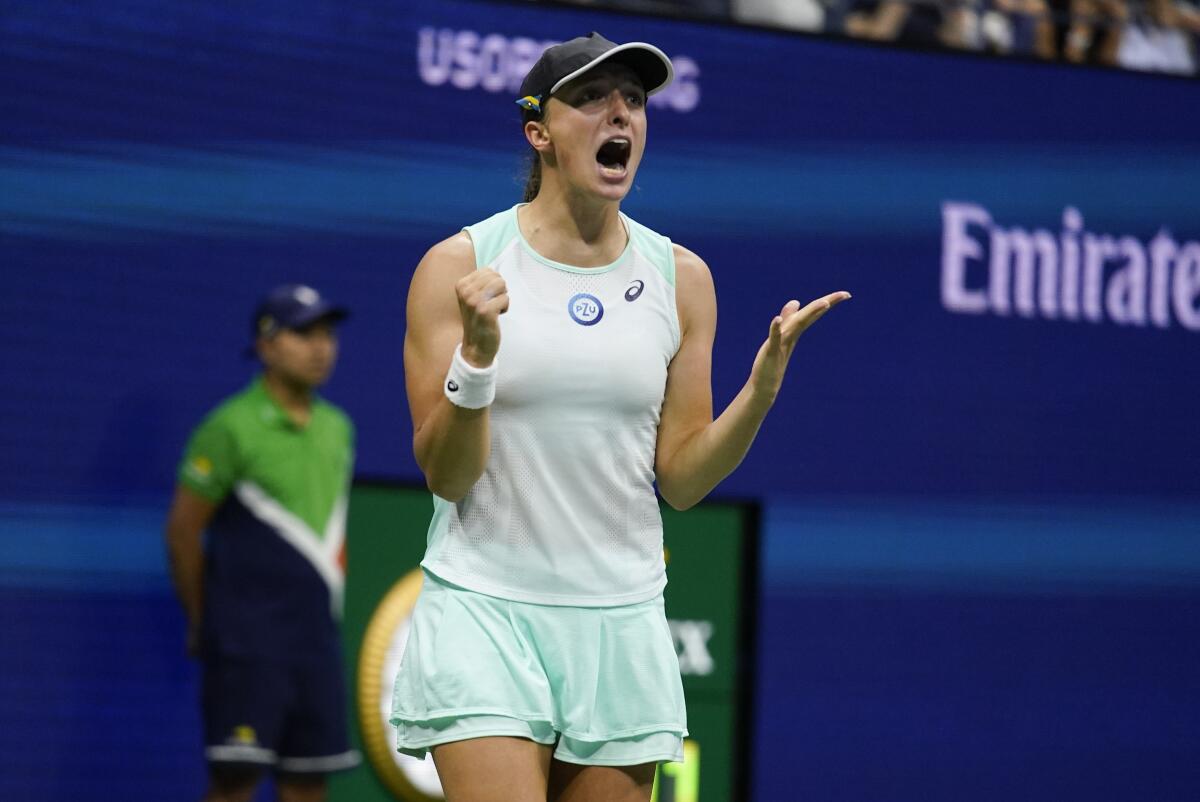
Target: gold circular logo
383, 645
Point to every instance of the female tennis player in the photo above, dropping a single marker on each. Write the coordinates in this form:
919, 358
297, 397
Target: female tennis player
557, 363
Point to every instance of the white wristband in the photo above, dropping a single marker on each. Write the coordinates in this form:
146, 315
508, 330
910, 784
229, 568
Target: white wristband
468, 386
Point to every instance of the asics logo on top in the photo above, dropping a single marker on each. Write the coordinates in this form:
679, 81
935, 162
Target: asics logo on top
635, 290
452, 386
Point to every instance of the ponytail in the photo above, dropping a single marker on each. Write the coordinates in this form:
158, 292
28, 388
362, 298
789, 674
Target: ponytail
533, 183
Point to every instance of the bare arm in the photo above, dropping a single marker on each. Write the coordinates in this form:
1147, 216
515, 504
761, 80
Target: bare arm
449, 302
883, 24
695, 452
187, 519
1185, 17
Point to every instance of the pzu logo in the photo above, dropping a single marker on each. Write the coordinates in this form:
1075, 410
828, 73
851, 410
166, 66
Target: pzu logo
585, 309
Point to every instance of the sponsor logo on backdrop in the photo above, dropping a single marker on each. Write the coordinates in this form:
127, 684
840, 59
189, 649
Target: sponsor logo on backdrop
1073, 275
493, 62
691, 644
383, 646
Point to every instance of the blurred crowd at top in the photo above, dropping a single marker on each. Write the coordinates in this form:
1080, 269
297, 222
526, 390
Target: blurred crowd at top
1149, 35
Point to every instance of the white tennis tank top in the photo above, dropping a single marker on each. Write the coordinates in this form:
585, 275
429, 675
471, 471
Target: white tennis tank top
565, 512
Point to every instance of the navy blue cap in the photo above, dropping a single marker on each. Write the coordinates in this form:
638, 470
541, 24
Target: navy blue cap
566, 62
293, 306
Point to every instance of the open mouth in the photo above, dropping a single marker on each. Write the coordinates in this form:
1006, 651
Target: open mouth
613, 155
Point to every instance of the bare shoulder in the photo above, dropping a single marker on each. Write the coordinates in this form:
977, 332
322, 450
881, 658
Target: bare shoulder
455, 254
438, 271
689, 267
695, 295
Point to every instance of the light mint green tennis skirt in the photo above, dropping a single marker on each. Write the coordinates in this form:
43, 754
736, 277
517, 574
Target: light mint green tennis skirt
601, 683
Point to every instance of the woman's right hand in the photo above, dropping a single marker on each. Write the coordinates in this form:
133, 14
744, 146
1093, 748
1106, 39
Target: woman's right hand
482, 298
450, 302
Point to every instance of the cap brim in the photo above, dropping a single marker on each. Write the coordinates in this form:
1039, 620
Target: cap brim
334, 314
650, 63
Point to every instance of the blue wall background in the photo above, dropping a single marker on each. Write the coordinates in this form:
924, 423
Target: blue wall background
981, 568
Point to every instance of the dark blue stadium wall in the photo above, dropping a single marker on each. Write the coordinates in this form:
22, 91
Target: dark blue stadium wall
982, 533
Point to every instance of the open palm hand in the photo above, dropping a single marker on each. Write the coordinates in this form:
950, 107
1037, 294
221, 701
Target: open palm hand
793, 320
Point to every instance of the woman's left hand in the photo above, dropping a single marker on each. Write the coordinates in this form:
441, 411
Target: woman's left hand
766, 376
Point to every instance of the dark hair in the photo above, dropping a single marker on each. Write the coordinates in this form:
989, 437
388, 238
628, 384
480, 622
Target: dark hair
533, 181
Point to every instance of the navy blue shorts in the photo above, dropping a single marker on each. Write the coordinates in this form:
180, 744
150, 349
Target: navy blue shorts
289, 716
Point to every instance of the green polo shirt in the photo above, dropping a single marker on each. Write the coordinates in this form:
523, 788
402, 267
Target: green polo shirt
250, 438
274, 560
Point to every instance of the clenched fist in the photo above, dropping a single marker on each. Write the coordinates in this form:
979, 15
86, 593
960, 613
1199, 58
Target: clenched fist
482, 298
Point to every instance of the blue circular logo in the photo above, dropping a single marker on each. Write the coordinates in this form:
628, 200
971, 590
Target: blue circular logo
584, 309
